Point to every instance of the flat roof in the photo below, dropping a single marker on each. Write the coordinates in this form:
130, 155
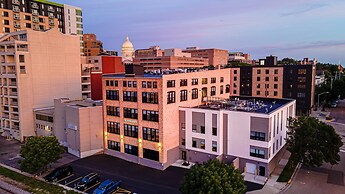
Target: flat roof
45, 111
245, 104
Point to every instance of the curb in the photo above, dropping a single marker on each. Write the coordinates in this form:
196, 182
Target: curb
292, 179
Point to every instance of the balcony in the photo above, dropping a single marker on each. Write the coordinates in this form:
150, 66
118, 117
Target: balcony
34, 12
13, 84
5, 116
14, 103
36, 27
34, 5
51, 22
16, 9
15, 127
16, 2
17, 25
51, 16
16, 16
15, 117
51, 9
13, 93
12, 72
35, 19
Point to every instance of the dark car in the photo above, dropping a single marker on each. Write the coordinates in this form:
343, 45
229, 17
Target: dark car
88, 181
59, 173
107, 187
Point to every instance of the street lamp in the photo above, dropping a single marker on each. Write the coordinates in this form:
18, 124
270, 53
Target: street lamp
318, 98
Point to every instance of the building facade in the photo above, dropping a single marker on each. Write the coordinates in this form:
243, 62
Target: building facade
141, 122
36, 67
214, 56
248, 132
92, 46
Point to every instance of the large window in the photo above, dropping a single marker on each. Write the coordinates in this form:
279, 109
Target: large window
150, 97
214, 131
213, 80
221, 89
113, 127
170, 83
183, 95
204, 81
227, 88
151, 154
130, 96
257, 135
151, 134
183, 82
113, 145
113, 111
150, 115
171, 97
130, 113
112, 95
214, 146
195, 93
131, 149
195, 81
131, 130
213, 90
257, 153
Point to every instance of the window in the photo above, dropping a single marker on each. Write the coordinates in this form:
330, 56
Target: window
204, 80
183, 141
267, 71
258, 79
214, 131
300, 95
213, 80
150, 97
150, 115
5, 14
112, 95
21, 59
302, 72
301, 86
195, 93
27, 17
221, 89
154, 84
214, 146
113, 111
267, 85
113, 145
6, 22
129, 83
257, 135
257, 153
183, 82
267, 79
202, 129
130, 113
143, 84
213, 90
275, 86
194, 143
275, 79
149, 84
267, 93
235, 71
258, 92
301, 79
195, 81
151, 134
221, 79
113, 127
131, 149
131, 130
276, 71
258, 71
130, 96
151, 154
124, 83
227, 88
257, 85
171, 97
183, 95
235, 78
234, 91
170, 83
275, 93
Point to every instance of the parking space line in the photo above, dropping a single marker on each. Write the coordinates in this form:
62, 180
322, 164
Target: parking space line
65, 178
92, 187
121, 190
73, 181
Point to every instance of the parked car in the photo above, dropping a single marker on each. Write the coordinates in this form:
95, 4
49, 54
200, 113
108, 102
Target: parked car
107, 187
88, 181
334, 105
59, 173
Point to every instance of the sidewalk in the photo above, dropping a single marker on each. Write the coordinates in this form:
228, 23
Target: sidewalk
12, 188
321, 115
272, 186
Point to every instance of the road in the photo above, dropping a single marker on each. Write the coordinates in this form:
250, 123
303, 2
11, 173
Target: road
2, 191
339, 113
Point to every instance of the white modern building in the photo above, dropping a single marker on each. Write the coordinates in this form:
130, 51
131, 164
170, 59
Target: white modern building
249, 132
74, 22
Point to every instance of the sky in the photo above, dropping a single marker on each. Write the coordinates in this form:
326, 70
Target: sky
286, 28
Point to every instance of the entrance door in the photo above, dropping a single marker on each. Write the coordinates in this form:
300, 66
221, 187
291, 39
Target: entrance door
262, 170
184, 155
250, 168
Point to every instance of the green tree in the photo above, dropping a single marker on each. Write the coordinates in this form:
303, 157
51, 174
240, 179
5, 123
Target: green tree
213, 177
38, 152
313, 142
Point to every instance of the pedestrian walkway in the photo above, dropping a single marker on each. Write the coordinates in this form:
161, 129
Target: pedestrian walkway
12, 188
183, 164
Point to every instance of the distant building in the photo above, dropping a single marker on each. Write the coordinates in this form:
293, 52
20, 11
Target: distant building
110, 53
155, 58
127, 51
36, 68
77, 124
245, 131
92, 46
214, 56
239, 57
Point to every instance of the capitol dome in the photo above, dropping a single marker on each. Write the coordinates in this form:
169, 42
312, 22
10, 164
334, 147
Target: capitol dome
127, 51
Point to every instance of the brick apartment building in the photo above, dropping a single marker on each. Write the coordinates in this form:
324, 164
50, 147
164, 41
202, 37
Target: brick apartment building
214, 56
92, 46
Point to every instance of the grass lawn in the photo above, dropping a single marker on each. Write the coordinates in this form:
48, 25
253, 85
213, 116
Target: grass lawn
288, 170
33, 185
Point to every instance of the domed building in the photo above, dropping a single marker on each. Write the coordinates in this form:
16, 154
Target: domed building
127, 51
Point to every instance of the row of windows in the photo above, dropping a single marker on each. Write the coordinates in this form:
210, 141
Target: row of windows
267, 71
145, 84
44, 118
267, 79
147, 97
275, 86
133, 150
148, 115
194, 81
149, 134
201, 130
267, 93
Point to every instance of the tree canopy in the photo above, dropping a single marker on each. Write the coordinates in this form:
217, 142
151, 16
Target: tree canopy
313, 142
213, 177
38, 152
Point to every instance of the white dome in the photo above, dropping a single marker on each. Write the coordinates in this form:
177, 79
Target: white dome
127, 44
127, 50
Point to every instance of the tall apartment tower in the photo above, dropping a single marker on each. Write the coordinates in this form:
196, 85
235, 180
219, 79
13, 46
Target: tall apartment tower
40, 15
36, 67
